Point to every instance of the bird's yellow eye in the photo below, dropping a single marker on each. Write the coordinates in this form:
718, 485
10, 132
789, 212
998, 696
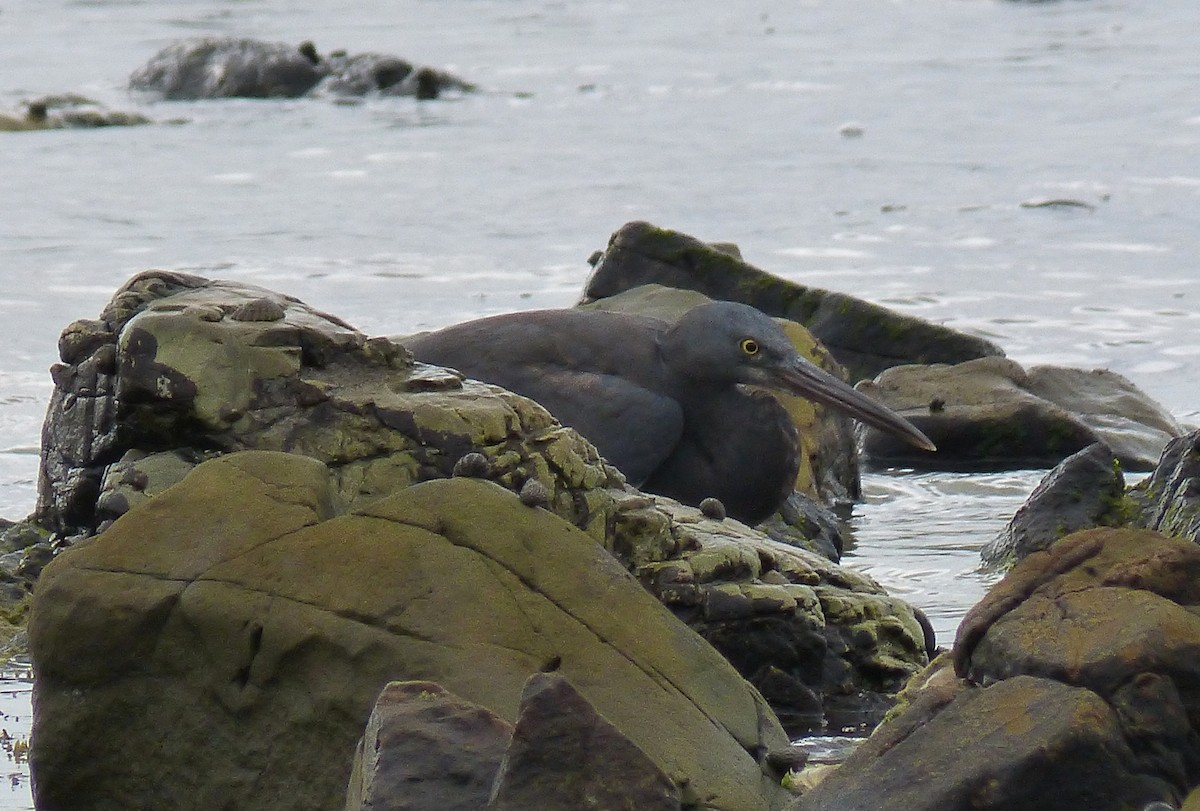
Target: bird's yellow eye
750, 346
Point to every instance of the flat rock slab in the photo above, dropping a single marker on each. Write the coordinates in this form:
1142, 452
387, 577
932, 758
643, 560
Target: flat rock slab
992, 414
864, 337
232, 634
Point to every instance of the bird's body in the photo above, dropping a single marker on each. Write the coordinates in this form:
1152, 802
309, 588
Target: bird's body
668, 405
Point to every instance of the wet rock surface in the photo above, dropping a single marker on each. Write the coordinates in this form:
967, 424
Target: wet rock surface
992, 414
1075, 689
863, 337
1085, 490
1169, 499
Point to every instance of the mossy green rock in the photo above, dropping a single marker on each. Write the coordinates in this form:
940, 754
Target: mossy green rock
864, 337
179, 368
222, 645
992, 414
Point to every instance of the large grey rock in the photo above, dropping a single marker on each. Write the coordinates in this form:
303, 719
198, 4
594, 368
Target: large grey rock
179, 368
863, 337
992, 414
259, 635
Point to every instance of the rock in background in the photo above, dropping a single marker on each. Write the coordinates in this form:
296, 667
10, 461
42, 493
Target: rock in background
863, 337
992, 414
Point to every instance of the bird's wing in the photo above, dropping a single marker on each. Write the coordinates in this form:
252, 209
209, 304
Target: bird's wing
570, 362
634, 428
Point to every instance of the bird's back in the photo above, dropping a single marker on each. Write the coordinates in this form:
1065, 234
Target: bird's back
595, 371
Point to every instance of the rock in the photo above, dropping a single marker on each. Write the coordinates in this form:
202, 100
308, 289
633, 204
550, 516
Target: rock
863, 337
365, 74
227, 67
1024, 744
1169, 500
1085, 490
168, 378
825, 645
426, 748
68, 111
259, 634
565, 756
1078, 691
991, 414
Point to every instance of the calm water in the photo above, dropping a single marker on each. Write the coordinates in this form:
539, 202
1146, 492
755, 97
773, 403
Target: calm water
725, 121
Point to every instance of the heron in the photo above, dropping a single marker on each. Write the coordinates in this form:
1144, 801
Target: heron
682, 410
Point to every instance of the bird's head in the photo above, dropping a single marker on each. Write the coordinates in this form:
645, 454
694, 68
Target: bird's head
724, 343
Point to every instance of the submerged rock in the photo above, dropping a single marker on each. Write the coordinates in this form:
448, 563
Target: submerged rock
67, 112
863, 337
260, 633
991, 414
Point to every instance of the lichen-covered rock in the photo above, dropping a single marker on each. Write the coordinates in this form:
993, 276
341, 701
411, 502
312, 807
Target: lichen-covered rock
1169, 500
1085, 490
179, 368
426, 748
565, 756
826, 645
229, 67
863, 337
258, 635
991, 414
1078, 692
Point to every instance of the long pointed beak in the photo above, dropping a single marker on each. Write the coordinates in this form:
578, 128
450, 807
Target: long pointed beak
805, 379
